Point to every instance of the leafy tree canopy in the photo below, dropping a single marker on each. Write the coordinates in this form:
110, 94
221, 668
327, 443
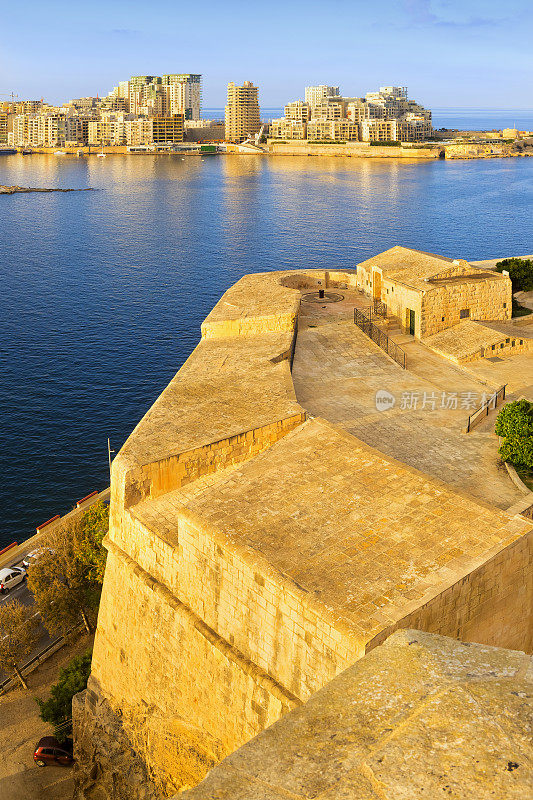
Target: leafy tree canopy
515, 425
57, 710
67, 579
520, 272
19, 634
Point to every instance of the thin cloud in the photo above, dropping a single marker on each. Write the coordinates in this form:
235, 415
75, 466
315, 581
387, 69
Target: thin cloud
124, 32
422, 15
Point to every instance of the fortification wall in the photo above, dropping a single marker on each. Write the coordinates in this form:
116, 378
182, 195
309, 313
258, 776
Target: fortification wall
210, 628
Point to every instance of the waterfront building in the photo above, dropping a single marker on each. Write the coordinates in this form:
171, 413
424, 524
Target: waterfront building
334, 130
242, 112
298, 111
167, 130
284, 128
4, 116
184, 94
38, 130
110, 129
379, 130
385, 115
201, 130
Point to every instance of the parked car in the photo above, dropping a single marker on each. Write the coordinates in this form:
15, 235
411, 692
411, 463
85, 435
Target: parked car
11, 577
50, 752
34, 556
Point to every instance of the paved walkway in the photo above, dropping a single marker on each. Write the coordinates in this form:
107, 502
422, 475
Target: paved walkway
338, 372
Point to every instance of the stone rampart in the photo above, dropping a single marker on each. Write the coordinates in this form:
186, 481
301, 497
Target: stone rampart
253, 554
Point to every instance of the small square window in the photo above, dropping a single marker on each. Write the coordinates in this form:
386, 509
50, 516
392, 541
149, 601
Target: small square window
505, 305
493, 346
442, 319
521, 341
501, 345
507, 341
513, 343
464, 313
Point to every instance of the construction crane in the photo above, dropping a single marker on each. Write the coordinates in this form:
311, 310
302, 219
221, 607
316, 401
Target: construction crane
12, 95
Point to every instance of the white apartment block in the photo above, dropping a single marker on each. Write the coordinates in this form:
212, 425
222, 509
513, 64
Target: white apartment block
298, 111
39, 130
379, 130
288, 129
335, 130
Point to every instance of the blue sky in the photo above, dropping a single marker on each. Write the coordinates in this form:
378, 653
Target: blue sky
476, 53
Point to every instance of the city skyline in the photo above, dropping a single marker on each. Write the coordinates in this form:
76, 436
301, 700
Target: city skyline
474, 57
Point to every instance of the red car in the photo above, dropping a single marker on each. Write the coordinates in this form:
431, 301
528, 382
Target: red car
50, 752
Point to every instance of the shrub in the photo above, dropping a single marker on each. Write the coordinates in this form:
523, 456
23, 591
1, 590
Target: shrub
520, 272
57, 710
515, 425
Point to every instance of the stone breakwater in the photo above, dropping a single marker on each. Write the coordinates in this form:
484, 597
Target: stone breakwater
25, 189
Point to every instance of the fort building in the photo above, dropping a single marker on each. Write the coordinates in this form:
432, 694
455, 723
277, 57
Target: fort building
429, 293
258, 548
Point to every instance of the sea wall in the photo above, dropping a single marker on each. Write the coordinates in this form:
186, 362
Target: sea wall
355, 149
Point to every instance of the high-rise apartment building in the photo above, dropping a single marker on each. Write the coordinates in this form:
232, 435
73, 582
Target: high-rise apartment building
184, 94
242, 112
171, 94
3, 127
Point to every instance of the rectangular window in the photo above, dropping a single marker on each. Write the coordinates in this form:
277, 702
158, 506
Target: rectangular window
464, 313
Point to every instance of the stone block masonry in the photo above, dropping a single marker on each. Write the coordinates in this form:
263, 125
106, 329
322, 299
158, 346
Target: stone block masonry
255, 552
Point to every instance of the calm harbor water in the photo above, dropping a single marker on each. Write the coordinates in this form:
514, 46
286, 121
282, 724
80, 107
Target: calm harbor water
103, 292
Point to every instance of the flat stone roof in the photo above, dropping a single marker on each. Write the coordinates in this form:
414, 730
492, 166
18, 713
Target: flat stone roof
226, 386
369, 538
417, 269
464, 339
419, 716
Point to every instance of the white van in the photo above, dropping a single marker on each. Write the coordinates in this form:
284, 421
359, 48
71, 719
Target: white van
11, 577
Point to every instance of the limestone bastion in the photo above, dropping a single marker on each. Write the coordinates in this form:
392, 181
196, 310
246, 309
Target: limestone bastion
255, 552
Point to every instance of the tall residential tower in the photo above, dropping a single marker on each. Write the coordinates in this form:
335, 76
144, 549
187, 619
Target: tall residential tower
242, 112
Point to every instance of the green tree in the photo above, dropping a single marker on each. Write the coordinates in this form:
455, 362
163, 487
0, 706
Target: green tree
57, 710
91, 552
67, 579
19, 634
515, 425
520, 272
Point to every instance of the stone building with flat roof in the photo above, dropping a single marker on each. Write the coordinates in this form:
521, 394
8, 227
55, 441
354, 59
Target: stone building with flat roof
429, 293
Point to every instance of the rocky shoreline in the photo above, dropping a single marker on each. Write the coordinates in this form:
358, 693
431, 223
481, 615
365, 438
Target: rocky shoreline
23, 189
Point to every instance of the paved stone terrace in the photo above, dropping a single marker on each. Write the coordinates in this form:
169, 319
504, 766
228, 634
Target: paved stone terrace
369, 538
337, 371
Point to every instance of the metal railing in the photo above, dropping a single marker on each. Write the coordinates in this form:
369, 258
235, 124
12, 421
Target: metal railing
486, 407
378, 308
393, 350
